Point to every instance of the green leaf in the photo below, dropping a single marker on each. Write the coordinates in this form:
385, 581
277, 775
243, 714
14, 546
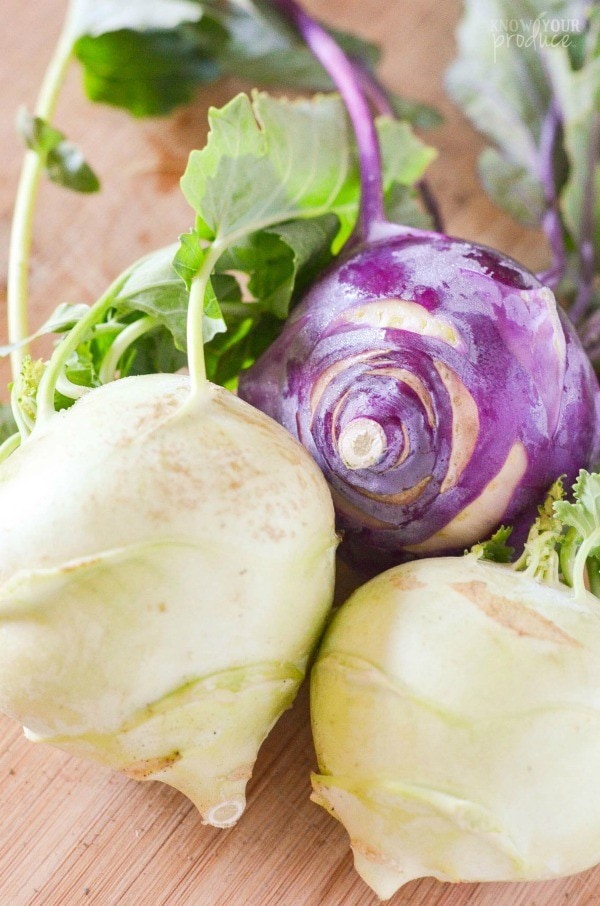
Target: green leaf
578, 94
66, 166
153, 353
499, 85
419, 115
278, 260
270, 160
188, 257
63, 318
266, 49
584, 514
403, 205
528, 73
232, 352
154, 288
276, 193
541, 557
151, 57
63, 162
405, 157
148, 72
512, 187
496, 547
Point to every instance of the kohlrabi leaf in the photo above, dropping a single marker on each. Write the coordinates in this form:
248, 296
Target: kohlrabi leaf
265, 49
419, 115
26, 385
64, 317
496, 548
512, 187
528, 76
153, 353
280, 260
151, 57
501, 86
63, 162
541, 555
580, 548
584, 513
276, 191
154, 288
403, 205
269, 160
149, 72
578, 97
247, 337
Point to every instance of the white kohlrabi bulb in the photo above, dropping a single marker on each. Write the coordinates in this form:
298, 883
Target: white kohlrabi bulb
456, 718
165, 572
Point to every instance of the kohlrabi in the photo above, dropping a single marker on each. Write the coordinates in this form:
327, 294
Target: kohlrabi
166, 550
433, 380
167, 565
456, 711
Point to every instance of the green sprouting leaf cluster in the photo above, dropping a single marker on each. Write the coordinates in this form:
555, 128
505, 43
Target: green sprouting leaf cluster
563, 544
496, 548
63, 162
541, 555
527, 75
149, 58
581, 518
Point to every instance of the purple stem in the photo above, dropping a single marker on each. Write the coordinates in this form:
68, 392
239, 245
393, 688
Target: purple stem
342, 73
551, 222
380, 100
590, 337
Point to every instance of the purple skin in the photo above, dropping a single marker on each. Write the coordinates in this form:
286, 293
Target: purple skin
417, 368
507, 351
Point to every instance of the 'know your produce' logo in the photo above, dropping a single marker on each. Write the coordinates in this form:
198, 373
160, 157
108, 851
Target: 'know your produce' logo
543, 31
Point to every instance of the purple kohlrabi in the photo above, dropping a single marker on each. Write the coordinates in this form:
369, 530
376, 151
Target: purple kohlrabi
434, 381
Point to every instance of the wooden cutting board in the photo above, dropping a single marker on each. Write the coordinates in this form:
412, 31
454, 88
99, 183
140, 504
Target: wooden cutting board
71, 832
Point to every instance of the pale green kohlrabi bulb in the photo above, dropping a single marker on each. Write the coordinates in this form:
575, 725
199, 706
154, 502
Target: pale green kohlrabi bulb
456, 717
165, 573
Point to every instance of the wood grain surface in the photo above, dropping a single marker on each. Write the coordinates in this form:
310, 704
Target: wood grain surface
72, 832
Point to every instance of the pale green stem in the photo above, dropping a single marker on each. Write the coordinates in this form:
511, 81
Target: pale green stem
24, 424
9, 446
69, 389
128, 335
22, 223
579, 570
58, 360
195, 332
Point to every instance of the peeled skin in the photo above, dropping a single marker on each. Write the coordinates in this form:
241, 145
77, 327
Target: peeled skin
439, 389
164, 576
456, 718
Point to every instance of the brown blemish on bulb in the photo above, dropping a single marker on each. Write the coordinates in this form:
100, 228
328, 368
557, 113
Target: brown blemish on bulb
373, 855
244, 772
517, 618
405, 581
143, 770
